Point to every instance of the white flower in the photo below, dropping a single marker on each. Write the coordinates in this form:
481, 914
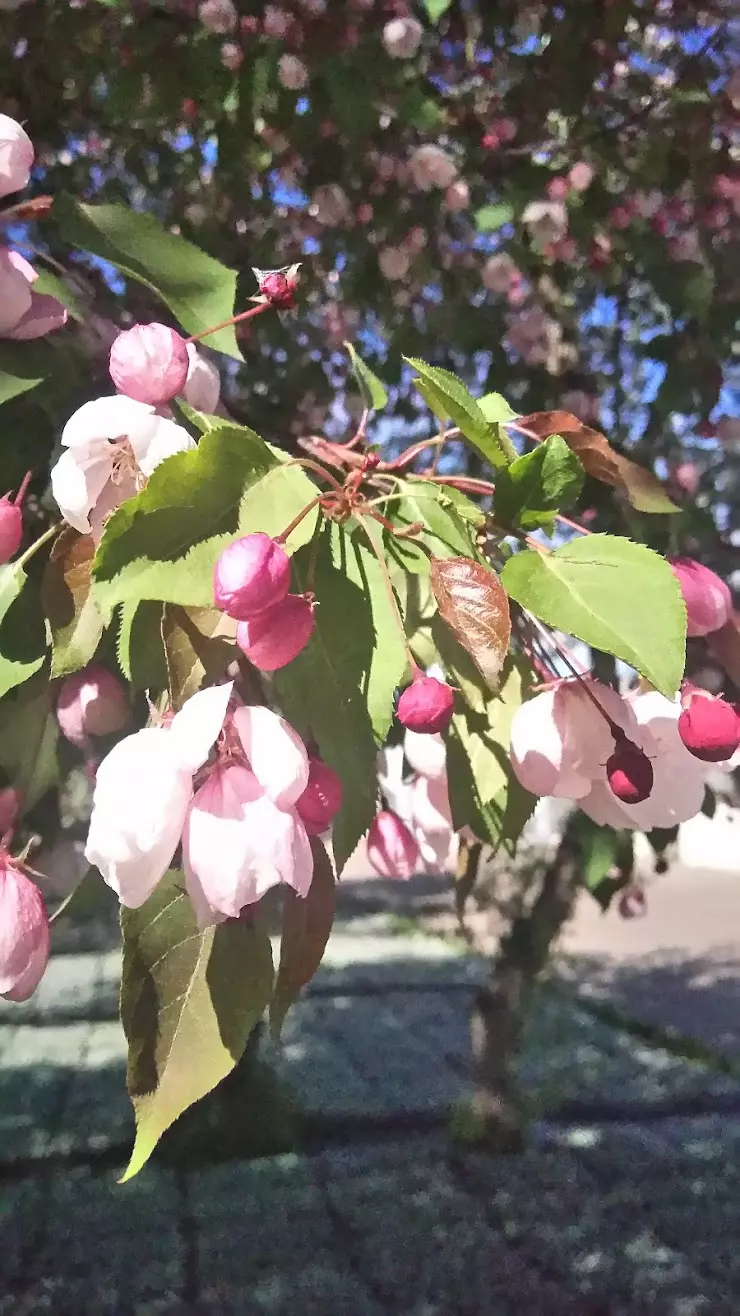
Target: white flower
112, 444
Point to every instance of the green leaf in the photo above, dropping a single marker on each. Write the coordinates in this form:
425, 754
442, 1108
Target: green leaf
51, 285
199, 290
446, 531
23, 366
436, 8
340, 689
372, 390
496, 409
22, 629
615, 595
600, 849
198, 646
450, 399
75, 621
484, 792
306, 928
189, 1001
139, 647
537, 485
29, 737
91, 898
491, 218
232, 481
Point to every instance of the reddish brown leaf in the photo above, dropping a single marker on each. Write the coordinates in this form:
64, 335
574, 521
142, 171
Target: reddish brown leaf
74, 620
473, 603
724, 644
643, 489
307, 924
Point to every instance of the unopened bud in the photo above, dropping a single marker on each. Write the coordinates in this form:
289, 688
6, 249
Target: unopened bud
11, 529
426, 706
278, 287
149, 363
251, 574
10, 807
273, 638
629, 772
322, 798
707, 598
709, 727
391, 847
91, 703
24, 933
632, 903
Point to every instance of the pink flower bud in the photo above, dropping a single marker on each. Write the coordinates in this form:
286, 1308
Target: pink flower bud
279, 287
24, 933
275, 637
91, 703
322, 798
149, 363
391, 847
632, 903
16, 156
251, 574
707, 598
457, 196
629, 772
581, 176
401, 37
10, 807
557, 189
11, 529
709, 727
427, 705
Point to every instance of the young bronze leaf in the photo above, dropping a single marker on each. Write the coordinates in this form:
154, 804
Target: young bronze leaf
473, 603
198, 645
75, 621
307, 924
643, 489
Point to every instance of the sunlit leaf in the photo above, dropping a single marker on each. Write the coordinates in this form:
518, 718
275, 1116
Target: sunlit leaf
474, 605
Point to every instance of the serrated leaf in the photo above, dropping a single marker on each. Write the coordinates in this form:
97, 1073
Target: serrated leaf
536, 486
449, 399
306, 927
436, 8
75, 621
198, 646
139, 646
199, 290
474, 605
489, 219
643, 489
611, 593
22, 629
232, 481
372, 390
29, 737
189, 1001
340, 689
496, 409
445, 531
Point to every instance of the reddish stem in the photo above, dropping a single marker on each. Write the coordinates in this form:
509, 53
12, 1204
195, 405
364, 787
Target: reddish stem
18, 500
235, 319
287, 532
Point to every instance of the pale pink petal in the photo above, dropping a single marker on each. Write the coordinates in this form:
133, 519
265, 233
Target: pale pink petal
203, 385
604, 808
43, 316
275, 751
15, 293
154, 438
109, 500
426, 754
537, 744
78, 479
195, 729
102, 419
431, 806
24, 934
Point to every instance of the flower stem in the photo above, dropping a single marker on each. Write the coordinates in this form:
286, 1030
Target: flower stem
235, 319
287, 532
39, 543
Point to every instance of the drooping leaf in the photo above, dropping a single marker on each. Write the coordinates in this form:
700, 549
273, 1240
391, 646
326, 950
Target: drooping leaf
474, 605
22, 629
199, 290
534, 487
372, 390
139, 646
150, 550
643, 489
340, 689
75, 621
616, 595
306, 927
449, 399
29, 737
198, 646
189, 1001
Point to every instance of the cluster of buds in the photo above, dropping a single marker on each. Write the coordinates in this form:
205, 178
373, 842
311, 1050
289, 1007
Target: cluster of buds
251, 581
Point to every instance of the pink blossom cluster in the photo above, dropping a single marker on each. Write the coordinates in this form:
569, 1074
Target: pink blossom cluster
414, 832
251, 581
24, 313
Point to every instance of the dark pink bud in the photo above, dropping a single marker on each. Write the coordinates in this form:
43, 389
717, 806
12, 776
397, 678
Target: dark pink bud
11, 529
629, 772
275, 637
251, 574
322, 798
391, 847
24, 933
632, 903
707, 598
279, 287
149, 363
709, 727
10, 807
91, 703
427, 705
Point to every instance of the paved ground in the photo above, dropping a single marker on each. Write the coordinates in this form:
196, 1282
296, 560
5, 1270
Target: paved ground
621, 1204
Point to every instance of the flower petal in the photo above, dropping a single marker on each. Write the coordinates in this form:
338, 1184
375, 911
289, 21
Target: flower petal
195, 729
102, 419
155, 437
275, 751
77, 482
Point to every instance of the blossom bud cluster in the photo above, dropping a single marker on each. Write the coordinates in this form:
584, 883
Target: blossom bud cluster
251, 580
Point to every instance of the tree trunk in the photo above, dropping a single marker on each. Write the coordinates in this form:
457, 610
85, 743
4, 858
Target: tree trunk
499, 1011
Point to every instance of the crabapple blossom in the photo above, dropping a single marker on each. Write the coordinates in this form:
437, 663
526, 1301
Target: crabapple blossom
431, 167
431, 821
561, 736
394, 262
251, 574
707, 598
629, 772
709, 727
581, 176
402, 36
202, 388
16, 156
499, 272
149, 363
547, 221
292, 73
427, 705
218, 15
273, 638
457, 196
25, 314
24, 932
391, 847
91, 703
112, 445
322, 798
